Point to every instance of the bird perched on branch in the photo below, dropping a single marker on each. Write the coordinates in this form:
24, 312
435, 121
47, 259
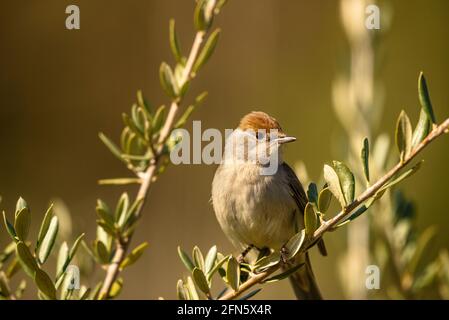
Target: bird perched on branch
257, 198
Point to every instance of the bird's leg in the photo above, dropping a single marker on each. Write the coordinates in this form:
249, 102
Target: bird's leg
241, 257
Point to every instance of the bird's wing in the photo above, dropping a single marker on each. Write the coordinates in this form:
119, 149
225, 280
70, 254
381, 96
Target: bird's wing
300, 198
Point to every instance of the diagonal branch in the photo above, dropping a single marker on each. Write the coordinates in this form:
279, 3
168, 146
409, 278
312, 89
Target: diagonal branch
113, 269
331, 224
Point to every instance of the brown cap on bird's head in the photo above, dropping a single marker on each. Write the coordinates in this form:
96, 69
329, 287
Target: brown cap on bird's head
258, 120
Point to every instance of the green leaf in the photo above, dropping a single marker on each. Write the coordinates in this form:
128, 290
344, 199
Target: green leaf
167, 80
134, 255
174, 43
21, 205
233, 274
104, 212
347, 181
22, 223
211, 257
9, 227
200, 280
48, 241
422, 129
116, 288
159, 118
217, 266
268, 261
26, 259
284, 274
102, 252
199, 18
4, 286
198, 258
181, 291
122, 208
310, 219
75, 246
207, 51
424, 97
324, 200
185, 259
312, 193
294, 244
191, 289
84, 295
45, 285
185, 116
62, 261
111, 146
403, 135
44, 226
333, 182
357, 213
121, 181
365, 158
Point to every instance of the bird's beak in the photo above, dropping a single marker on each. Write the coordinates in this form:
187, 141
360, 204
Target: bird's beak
286, 140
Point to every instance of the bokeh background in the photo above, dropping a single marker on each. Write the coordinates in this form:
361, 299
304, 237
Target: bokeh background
59, 88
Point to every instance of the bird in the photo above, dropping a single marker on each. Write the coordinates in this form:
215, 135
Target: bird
260, 210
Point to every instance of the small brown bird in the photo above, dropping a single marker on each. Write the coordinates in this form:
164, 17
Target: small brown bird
256, 209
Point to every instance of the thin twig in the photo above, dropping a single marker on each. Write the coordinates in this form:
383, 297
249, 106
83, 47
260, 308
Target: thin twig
330, 224
113, 269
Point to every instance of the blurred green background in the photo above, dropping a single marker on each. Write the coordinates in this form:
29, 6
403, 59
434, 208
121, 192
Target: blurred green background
59, 88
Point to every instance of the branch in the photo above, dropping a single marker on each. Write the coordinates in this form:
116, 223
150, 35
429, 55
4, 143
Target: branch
329, 225
112, 270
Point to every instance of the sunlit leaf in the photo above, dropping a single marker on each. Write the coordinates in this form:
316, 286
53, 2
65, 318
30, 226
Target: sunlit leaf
347, 181
333, 182
167, 80
404, 135
324, 200
294, 244
49, 240
135, 254
207, 50
185, 259
45, 285
200, 280
310, 219
424, 97
233, 274
210, 259
26, 259
198, 258
365, 158
422, 128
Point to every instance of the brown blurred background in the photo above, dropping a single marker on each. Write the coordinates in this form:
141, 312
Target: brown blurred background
59, 88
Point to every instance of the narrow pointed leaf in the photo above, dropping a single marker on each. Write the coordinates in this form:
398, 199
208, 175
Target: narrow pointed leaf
424, 97
200, 280
26, 259
365, 158
9, 227
44, 226
111, 146
181, 291
49, 240
422, 128
198, 258
167, 80
45, 285
210, 259
185, 259
20, 205
63, 257
251, 294
174, 43
404, 135
191, 289
217, 266
207, 50
134, 255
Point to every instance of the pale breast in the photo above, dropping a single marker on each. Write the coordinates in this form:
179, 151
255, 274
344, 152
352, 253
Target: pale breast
251, 208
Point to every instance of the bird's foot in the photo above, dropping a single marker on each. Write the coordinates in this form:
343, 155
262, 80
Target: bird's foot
241, 257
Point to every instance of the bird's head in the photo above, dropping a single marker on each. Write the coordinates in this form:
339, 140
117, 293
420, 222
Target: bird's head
258, 138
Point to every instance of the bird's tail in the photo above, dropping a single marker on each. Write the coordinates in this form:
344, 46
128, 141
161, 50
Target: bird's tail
303, 281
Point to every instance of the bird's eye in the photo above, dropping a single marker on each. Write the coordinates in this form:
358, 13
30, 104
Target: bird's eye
260, 135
